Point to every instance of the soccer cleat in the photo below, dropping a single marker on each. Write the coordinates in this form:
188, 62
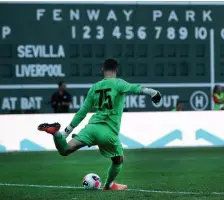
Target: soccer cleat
116, 186
49, 128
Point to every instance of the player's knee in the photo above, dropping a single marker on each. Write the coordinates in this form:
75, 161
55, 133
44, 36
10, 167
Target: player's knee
118, 160
64, 153
121, 160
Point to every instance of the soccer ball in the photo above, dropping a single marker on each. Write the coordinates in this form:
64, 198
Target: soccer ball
91, 181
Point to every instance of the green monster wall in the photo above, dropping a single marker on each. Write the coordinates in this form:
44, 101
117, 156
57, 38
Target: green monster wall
178, 49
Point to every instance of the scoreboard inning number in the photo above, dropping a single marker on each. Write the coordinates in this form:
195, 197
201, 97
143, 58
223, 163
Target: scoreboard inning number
130, 33
98, 32
181, 33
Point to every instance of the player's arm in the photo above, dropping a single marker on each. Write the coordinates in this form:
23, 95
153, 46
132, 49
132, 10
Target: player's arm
155, 95
80, 115
125, 87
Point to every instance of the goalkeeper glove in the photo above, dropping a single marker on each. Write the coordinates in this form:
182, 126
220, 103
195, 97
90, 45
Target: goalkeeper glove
156, 98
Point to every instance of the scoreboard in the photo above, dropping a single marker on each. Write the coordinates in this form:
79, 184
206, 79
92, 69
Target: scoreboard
178, 49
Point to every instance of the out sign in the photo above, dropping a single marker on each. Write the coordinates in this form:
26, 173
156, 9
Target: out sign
167, 101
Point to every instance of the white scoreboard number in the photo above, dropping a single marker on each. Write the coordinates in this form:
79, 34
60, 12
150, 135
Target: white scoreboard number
130, 33
182, 33
98, 32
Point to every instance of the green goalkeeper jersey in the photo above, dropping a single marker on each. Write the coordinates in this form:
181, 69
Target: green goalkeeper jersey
107, 97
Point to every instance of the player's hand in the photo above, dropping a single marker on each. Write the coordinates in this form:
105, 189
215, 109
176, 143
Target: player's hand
156, 98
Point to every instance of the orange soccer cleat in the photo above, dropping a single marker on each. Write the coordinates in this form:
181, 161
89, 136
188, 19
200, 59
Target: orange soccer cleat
49, 128
116, 186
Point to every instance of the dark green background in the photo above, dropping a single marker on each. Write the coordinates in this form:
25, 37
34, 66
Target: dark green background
149, 60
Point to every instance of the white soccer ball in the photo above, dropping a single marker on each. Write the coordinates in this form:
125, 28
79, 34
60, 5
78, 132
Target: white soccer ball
91, 181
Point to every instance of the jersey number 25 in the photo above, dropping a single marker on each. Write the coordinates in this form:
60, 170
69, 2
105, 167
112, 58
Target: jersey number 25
105, 98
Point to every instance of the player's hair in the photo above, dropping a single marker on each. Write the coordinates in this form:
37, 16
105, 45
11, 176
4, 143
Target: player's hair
110, 65
60, 83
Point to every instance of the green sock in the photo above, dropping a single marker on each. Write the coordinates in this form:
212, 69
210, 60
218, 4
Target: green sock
61, 143
113, 171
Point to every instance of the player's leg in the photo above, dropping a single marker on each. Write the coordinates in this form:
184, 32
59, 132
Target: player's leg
112, 173
61, 144
85, 136
110, 147
65, 148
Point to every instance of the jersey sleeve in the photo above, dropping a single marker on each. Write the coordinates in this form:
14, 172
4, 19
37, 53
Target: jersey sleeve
86, 107
124, 87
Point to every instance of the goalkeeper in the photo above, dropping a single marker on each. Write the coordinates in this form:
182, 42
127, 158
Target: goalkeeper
107, 97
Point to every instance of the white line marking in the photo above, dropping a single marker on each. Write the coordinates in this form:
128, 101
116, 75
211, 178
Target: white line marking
88, 85
133, 190
212, 64
41, 186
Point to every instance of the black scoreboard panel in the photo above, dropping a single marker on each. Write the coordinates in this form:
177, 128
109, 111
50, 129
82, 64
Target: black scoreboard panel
177, 45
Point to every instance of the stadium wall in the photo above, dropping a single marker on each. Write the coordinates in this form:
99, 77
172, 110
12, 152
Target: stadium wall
138, 130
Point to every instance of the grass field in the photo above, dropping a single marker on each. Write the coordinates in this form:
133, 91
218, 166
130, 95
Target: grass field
194, 173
